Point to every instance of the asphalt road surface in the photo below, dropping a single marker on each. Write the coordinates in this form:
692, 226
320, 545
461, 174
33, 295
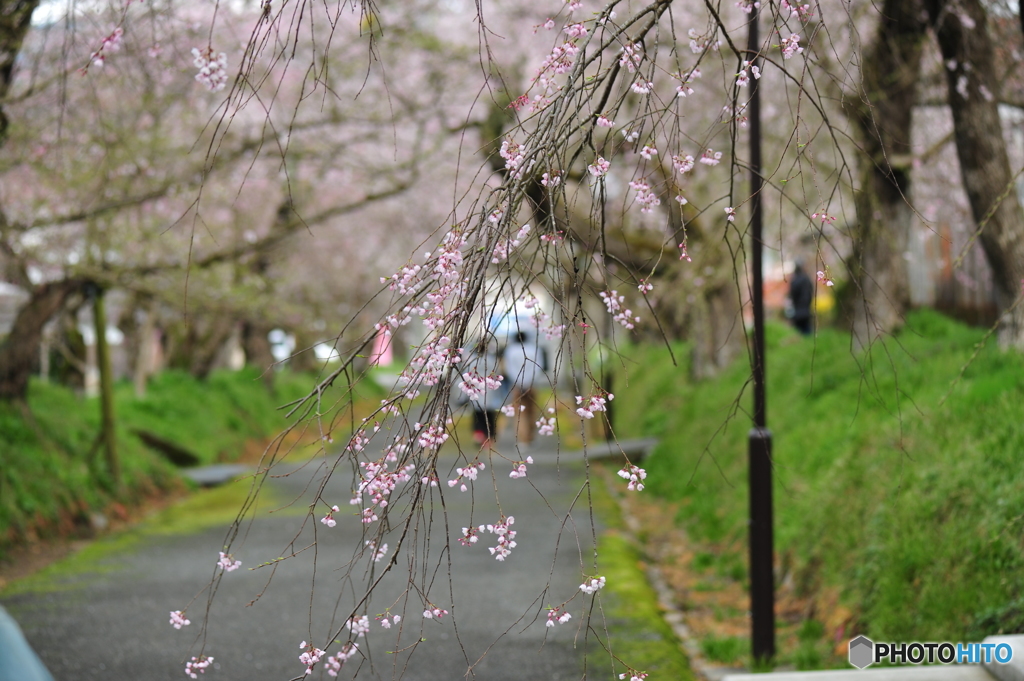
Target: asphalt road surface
112, 625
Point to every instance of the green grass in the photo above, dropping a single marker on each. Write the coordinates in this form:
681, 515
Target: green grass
912, 508
49, 481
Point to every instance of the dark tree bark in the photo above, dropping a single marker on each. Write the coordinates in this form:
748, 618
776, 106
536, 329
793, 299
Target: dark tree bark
984, 166
15, 20
20, 350
257, 349
890, 68
108, 427
199, 342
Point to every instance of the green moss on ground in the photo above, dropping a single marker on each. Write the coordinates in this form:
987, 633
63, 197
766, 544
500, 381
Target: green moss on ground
629, 620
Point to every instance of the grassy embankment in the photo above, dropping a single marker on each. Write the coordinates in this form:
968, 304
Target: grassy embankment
897, 514
51, 475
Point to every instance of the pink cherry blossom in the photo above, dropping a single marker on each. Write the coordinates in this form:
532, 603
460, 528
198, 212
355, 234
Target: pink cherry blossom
310, 656
546, 426
593, 585
710, 157
791, 46
335, 662
576, 30
647, 199
557, 616
635, 477
634, 675
213, 70
631, 57
226, 562
358, 626
328, 519
386, 623
506, 537
197, 664
616, 307
377, 553
599, 167
682, 163
594, 403
520, 468
433, 611
178, 619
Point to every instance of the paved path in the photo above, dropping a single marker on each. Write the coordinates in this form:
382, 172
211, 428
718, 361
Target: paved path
114, 625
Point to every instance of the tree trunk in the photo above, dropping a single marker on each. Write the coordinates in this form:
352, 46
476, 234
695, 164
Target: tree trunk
257, 349
108, 434
984, 164
880, 291
15, 20
20, 350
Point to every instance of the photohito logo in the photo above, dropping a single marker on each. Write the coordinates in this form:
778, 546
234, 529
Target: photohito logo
864, 652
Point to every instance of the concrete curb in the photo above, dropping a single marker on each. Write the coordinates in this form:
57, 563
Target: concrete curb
1014, 669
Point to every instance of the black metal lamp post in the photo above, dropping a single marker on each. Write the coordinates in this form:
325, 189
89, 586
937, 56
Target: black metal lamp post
762, 579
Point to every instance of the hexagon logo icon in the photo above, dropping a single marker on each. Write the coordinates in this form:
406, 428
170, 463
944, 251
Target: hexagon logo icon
862, 652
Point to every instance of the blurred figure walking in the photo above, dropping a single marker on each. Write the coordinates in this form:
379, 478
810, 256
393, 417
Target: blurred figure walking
482, 363
523, 364
801, 296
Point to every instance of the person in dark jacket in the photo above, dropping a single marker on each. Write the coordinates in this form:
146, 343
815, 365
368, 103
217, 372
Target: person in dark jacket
801, 295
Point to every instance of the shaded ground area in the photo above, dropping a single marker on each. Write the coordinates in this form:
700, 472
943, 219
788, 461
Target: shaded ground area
110, 622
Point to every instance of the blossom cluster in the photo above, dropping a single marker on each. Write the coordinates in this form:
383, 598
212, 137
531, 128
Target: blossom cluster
466, 473
213, 69
178, 619
519, 471
112, 43
310, 656
433, 611
594, 403
617, 309
378, 482
593, 585
358, 626
515, 159
474, 385
599, 167
635, 475
386, 621
791, 46
328, 519
710, 157
633, 675
197, 664
647, 199
546, 426
376, 553
557, 615
506, 537
334, 662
